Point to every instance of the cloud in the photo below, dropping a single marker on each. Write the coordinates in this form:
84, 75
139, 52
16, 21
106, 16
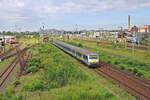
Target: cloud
91, 6
25, 11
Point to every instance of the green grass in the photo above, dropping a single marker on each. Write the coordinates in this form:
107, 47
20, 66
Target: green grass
5, 63
60, 77
29, 41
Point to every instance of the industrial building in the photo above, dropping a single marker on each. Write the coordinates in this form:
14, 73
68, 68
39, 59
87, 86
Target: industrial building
144, 28
6, 38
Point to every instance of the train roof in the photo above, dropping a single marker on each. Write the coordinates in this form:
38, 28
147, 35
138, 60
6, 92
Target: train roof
83, 51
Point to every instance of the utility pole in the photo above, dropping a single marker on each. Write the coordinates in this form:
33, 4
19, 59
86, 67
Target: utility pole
16, 28
76, 29
149, 40
39, 34
43, 31
133, 47
3, 44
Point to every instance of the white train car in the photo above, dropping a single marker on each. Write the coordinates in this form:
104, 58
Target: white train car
89, 58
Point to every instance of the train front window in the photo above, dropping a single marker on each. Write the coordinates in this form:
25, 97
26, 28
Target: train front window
93, 57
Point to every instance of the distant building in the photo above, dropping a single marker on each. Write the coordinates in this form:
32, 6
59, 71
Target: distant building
144, 28
113, 32
134, 29
6, 38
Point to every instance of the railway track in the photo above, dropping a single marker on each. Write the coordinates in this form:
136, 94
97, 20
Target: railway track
9, 69
136, 86
11, 52
4, 75
129, 46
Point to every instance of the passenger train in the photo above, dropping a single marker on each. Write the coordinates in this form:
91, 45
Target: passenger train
87, 57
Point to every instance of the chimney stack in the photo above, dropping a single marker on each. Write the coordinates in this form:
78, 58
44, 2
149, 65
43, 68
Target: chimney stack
129, 23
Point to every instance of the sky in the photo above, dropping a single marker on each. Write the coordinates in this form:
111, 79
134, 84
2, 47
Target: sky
23, 15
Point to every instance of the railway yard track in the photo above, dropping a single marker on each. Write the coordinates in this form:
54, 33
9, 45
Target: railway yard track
11, 52
4, 75
136, 86
139, 87
129, 46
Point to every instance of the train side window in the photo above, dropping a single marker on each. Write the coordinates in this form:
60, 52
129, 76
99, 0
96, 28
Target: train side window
69, 49
79, 54
73, 51
85, 57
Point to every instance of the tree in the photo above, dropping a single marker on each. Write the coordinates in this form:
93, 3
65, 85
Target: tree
9, 33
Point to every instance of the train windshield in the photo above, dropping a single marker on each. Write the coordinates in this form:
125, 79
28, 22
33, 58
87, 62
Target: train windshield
93, 57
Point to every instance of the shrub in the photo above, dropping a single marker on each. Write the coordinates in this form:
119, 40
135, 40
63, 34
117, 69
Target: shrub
34, 86
32, 69
8, 95
53, 85
34, 62
80, 45
16, 82
130, 70
122, 67
109, 62
139, 74
142, 64
135, 71
116, 62
130, 63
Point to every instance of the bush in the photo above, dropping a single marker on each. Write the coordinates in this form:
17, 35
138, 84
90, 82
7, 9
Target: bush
116, 62
9, 95
122, 67
109, 62
135, 71
130, 70
130, 63
34, 86
80, 45
34, 62
16, 82
32, 69
139, 74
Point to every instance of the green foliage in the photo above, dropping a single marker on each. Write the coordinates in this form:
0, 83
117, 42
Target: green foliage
116, 62
80, 45
34, 62
109, 62
16, 82
122, 67
83, 94
18, 36
32, 69
130, 70
135, 71
139, 74
38, 85
9, 95
34, 65
59, 70
75, 44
